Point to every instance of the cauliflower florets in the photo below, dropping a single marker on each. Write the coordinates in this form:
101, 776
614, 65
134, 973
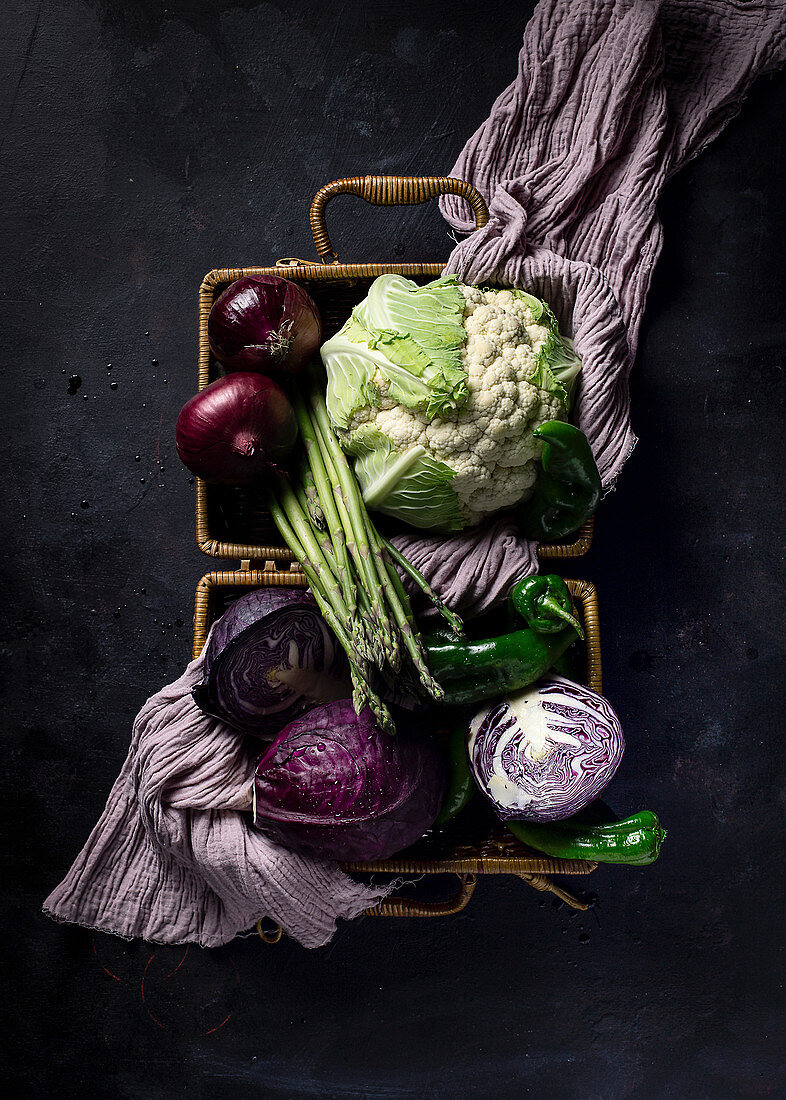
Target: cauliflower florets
488, 441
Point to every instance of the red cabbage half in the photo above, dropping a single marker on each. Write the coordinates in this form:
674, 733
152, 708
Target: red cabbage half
545, 753
333, 785
270, 657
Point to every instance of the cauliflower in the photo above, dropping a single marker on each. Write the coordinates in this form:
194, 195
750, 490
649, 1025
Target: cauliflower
436, 391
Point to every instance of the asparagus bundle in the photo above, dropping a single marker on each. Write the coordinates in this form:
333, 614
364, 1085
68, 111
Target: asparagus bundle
320, 514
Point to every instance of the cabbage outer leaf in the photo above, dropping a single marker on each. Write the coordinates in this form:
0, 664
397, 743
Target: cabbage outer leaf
410, 485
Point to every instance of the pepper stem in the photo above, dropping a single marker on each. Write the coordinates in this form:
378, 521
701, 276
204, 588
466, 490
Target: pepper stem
557, 609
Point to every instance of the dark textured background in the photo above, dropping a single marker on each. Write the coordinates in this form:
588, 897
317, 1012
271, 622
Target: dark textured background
142, 146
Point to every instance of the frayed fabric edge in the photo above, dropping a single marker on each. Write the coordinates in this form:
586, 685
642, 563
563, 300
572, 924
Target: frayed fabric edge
377, 894
621, 463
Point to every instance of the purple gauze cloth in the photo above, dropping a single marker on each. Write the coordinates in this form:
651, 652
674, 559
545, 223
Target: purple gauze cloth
611, 98
173, 860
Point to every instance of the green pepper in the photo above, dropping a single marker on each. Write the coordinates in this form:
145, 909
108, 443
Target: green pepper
460, 785
546, 604
635, 841
568, 488
471, 671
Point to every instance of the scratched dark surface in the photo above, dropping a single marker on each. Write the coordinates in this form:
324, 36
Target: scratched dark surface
142, 146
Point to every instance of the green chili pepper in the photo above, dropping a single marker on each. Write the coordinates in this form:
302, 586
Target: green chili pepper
546, 604
460, 785
568, 488
471, 671
635, 841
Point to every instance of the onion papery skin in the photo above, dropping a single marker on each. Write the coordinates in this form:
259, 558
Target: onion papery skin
267, 630
333, 785
264, 323
236, 430
552, 763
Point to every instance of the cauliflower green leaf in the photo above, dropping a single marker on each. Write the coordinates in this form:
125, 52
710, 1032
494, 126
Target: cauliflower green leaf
410, 485
558, 365
404, 342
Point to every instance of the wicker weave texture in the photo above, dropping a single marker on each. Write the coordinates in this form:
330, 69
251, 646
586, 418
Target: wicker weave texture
389, 191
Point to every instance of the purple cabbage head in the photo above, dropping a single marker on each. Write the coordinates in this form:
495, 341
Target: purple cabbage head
333, 785
269, 658
545, 753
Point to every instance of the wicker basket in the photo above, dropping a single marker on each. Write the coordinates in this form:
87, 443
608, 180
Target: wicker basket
233, 522
470, 847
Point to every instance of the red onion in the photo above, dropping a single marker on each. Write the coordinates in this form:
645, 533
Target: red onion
264, 323
236, 429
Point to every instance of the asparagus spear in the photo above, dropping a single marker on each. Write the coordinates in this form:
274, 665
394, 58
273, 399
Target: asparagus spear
358, 660
452, 619
288, 499
312, 503
391, 583
326, 497
402, 613
381, 633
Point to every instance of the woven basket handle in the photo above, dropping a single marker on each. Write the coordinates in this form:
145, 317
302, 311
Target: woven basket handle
389, 191
411, 907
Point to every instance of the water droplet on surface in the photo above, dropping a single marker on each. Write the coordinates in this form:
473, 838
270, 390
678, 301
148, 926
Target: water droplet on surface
113, 385
109, 366
74, 382
85, 503
154, 362
84, 396
142, 480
